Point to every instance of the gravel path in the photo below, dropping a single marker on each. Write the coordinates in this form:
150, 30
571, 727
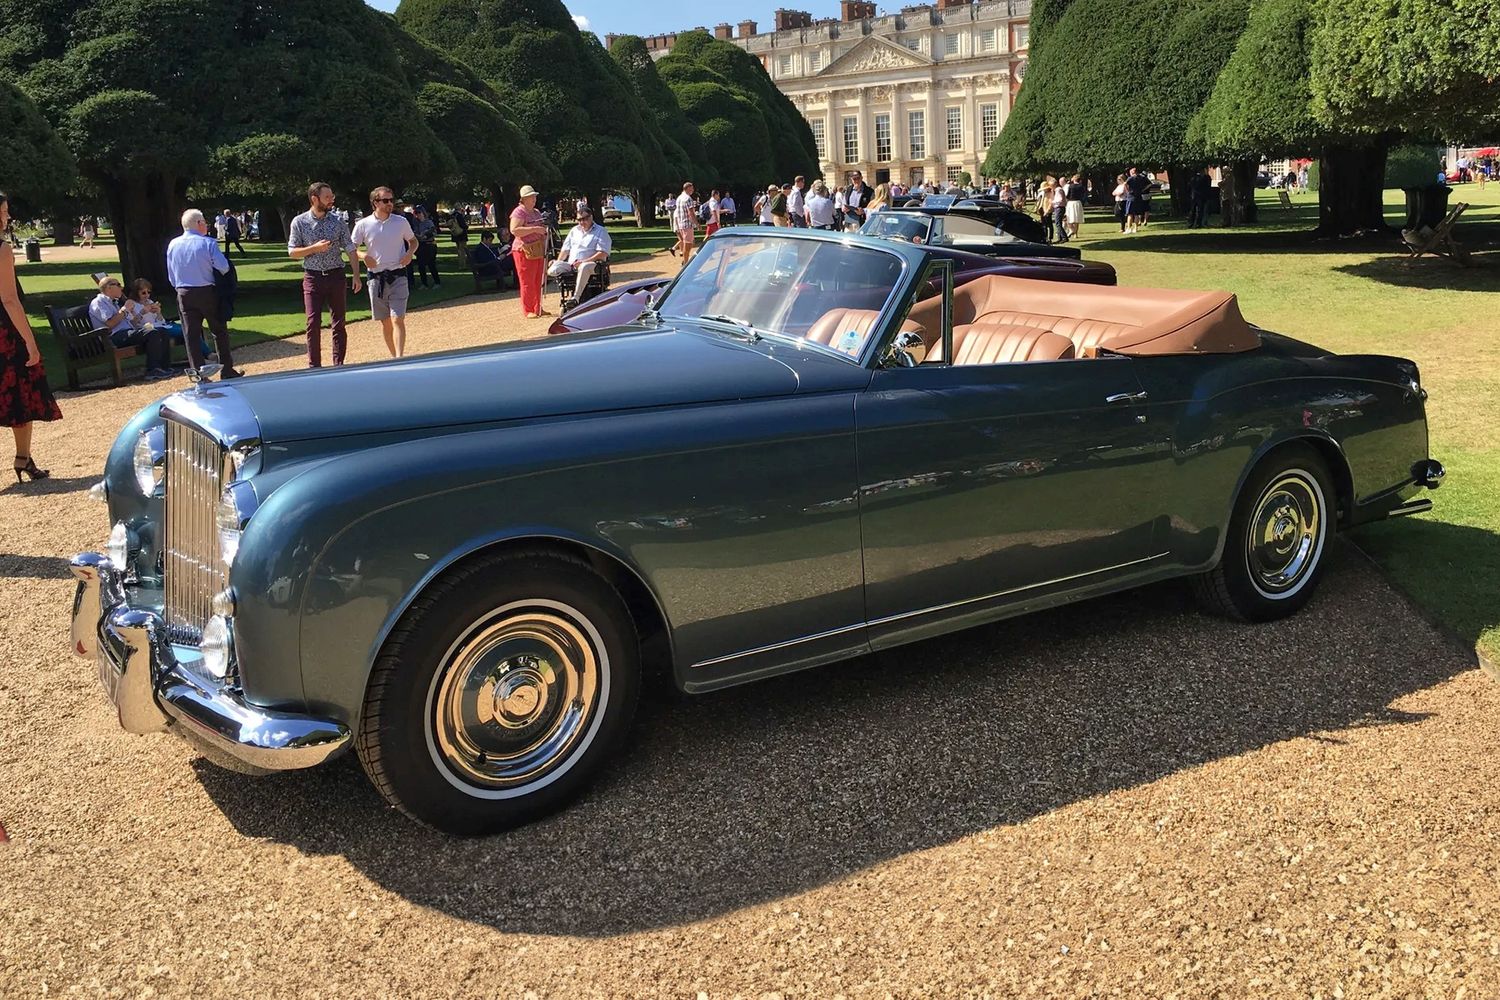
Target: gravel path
1118, 799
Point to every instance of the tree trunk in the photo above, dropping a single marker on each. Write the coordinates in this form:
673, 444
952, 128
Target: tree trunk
645, 207
1237, 194
1101, 187
1351, 186
62, 230
272, 229
145, 213
1180, 177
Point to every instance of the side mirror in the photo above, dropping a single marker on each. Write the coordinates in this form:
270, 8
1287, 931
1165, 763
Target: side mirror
907, 351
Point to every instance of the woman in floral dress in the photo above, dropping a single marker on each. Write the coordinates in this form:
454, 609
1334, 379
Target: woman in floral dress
24, 395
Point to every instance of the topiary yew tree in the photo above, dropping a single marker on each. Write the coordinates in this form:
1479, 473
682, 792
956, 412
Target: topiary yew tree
1262, 106
1428, 68
37, 169
153, 95
793, 149
686, 158
559, 86
488, 151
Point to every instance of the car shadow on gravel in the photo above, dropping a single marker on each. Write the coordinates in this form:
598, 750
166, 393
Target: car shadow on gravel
768, 790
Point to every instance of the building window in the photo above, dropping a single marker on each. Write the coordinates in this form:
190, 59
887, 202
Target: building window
953, 172
851, 139
1023, 35
915, 44
820, 137
814, 60
785, 68
955, 129
916, 133
950, 45
989, 123
883, 138
987, 40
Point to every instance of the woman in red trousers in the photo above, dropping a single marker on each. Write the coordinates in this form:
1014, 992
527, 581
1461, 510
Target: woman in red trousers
529, 251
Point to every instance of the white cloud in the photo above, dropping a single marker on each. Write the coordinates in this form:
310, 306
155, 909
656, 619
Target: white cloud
582, 22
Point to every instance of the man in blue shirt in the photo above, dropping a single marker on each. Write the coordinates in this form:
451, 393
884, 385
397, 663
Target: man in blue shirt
192, 259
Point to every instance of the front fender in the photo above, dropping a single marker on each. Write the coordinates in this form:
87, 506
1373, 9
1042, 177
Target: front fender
334, 556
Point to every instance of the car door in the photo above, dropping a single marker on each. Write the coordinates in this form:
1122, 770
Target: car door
982, 486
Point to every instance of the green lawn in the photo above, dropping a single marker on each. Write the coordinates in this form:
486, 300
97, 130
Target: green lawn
1369, 297
269, 304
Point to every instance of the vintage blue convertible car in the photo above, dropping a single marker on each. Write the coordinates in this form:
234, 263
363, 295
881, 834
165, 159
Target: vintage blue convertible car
811, 446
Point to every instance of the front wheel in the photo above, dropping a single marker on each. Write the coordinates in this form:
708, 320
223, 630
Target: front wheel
1277, 539
502, 690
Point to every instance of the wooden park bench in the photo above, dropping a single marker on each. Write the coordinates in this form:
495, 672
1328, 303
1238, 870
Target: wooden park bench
1286, 199
86, 346
1438, 240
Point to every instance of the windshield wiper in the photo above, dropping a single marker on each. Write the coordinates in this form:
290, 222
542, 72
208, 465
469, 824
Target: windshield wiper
751, 334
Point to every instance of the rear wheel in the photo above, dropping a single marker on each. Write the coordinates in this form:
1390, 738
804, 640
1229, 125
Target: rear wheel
1277, 539
500, 693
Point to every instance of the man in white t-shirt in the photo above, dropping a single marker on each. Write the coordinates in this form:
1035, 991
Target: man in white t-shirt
389, 245
683, 222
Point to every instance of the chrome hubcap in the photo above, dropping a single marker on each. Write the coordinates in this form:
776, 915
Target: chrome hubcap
514, 697
1285, 534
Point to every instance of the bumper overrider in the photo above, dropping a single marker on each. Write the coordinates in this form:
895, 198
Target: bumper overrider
154, 689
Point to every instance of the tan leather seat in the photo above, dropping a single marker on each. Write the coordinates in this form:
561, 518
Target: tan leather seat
1140, 321
837, 322
987, 343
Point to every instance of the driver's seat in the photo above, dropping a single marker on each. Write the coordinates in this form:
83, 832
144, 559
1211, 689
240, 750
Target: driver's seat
836, 322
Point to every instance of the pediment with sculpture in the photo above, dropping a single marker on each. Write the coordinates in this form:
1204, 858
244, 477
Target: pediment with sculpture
874, 54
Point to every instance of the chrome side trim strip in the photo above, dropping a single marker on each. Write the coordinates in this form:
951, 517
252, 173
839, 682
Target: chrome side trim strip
779, 645
1017, 590
924, 611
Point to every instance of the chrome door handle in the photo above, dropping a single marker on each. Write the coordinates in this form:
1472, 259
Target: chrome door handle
1126, 397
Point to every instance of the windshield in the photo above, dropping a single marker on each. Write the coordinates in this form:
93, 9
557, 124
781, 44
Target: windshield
829, 294
910, 226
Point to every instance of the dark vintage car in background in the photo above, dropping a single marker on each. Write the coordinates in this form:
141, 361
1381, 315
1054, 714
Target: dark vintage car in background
979, 226
810, 446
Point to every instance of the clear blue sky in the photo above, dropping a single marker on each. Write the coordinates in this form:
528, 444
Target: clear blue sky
651, 17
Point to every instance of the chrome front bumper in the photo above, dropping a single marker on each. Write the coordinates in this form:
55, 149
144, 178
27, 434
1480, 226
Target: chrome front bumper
154, 686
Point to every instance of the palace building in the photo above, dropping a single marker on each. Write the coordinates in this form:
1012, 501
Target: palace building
912, 96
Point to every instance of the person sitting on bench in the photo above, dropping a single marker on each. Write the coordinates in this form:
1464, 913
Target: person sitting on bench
490, 261
108, 313
146, 312
586, 247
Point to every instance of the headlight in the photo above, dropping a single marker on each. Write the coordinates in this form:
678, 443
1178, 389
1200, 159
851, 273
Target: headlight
216, 647
236, 504
150, 459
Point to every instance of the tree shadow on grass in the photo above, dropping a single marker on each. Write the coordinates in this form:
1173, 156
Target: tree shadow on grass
1481, 275
736, 798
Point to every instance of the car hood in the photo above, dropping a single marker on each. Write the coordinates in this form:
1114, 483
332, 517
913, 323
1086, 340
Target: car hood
619, 368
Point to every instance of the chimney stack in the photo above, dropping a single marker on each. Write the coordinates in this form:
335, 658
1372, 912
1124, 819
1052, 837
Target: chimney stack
789, 19
856, 10
945, 4
723, 31
747, 28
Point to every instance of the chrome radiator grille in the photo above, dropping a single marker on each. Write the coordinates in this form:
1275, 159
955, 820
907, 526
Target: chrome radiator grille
192, 570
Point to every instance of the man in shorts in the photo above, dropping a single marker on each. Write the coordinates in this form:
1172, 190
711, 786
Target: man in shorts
389, 245
684, 221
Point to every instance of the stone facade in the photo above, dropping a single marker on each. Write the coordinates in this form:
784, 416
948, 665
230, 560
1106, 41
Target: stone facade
912, 96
